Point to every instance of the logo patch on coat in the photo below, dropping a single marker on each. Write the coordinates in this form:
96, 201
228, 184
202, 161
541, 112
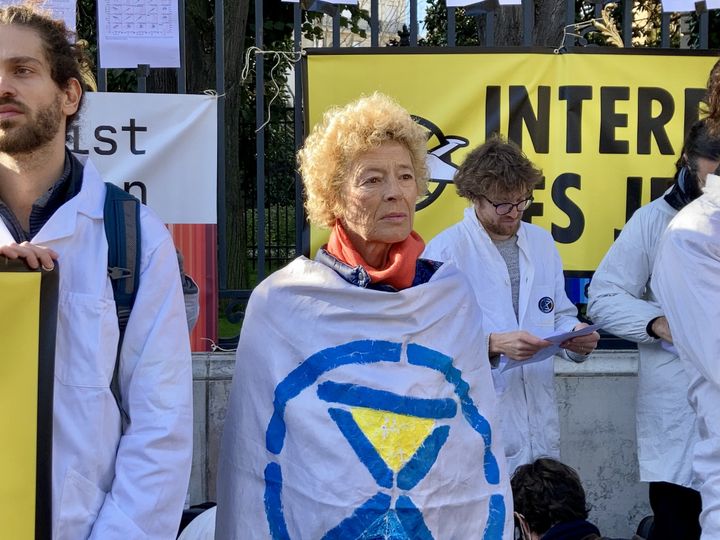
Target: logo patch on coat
546, 304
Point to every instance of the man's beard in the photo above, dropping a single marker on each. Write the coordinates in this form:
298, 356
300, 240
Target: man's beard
40, 128
505, 229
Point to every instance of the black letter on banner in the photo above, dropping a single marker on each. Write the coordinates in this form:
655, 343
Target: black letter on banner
574, 96
76, 141
127, 186
536, 208
100, 138
693, 98
633, 198
571, 233
132, 128
655, 126
522, 112
659, 185
609, 119
492, 111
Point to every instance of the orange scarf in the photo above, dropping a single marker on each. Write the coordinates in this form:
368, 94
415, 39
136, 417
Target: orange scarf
399, 272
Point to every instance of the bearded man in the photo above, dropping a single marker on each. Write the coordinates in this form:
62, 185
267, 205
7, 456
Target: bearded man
114, 476
516, 274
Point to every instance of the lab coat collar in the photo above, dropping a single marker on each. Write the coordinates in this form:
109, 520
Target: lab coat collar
89, 202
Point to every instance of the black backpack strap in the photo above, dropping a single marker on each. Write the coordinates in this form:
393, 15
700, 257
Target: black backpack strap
122, 229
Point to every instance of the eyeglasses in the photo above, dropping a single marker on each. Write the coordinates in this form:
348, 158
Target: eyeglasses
502, 209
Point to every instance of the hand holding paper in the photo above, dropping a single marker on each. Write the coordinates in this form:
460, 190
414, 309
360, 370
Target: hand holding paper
554, 347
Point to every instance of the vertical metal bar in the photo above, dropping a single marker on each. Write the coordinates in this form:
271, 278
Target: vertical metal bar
142, 72
101, 72
102, 80
569, 21
374, 23
627, 22
451, 27
260, 138
182, 70
336, 29
299, 131
528, 14
569, 12
490, 29
665, 30
221, 187
704, 19
413, 23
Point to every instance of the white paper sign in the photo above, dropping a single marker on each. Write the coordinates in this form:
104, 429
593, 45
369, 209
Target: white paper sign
133, 32
163, 147
60, 9
678, 5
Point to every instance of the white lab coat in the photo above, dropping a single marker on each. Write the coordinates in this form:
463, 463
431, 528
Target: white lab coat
622, 301
528, 411
106, 485
686, 280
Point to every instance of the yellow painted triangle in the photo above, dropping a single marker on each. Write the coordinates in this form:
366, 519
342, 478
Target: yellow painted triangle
396, 437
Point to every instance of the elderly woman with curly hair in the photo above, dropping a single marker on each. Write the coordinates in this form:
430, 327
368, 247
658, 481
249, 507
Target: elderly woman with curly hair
358, 408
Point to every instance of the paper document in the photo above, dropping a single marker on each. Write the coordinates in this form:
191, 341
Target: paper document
60, 9
133, 32
550, 350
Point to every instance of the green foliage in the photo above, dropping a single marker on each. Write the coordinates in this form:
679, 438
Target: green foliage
436, 18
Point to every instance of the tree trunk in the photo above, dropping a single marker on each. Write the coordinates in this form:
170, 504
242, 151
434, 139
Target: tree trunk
508, 28
200, 69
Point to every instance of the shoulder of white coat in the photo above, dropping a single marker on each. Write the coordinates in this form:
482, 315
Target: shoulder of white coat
153, 232
535, 233
443, 244
699, 220
657, 212
300, 277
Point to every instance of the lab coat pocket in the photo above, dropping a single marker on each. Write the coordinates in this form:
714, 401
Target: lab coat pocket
542, 306
79, 507
86, 340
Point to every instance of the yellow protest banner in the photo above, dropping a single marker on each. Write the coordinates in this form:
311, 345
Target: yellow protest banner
605, 127
27, 328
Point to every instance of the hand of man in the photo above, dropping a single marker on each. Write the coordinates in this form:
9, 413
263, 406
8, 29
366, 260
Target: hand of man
519, 345
582, 344
662, 329
34, 256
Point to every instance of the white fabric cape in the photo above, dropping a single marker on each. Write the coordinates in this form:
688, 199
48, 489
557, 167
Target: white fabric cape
686, 279
357, 413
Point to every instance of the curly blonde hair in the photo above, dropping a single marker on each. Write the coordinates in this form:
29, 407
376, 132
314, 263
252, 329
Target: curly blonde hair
343, 135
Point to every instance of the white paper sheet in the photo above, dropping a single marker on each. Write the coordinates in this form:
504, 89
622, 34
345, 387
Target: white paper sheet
548, 351
133, 32
61, 9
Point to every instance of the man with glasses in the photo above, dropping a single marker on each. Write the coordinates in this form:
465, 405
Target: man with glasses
622, 300
517, 277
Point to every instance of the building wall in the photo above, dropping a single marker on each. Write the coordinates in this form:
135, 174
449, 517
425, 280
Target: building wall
596, 402
392, 14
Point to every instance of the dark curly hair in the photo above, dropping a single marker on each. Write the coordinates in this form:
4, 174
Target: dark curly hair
497, 167
66, 59
712, 100
547, 492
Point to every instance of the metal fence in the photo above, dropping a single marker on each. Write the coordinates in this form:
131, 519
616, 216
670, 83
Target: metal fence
264, 209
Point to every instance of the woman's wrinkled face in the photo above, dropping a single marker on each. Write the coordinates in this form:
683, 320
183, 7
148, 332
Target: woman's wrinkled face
380, 194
